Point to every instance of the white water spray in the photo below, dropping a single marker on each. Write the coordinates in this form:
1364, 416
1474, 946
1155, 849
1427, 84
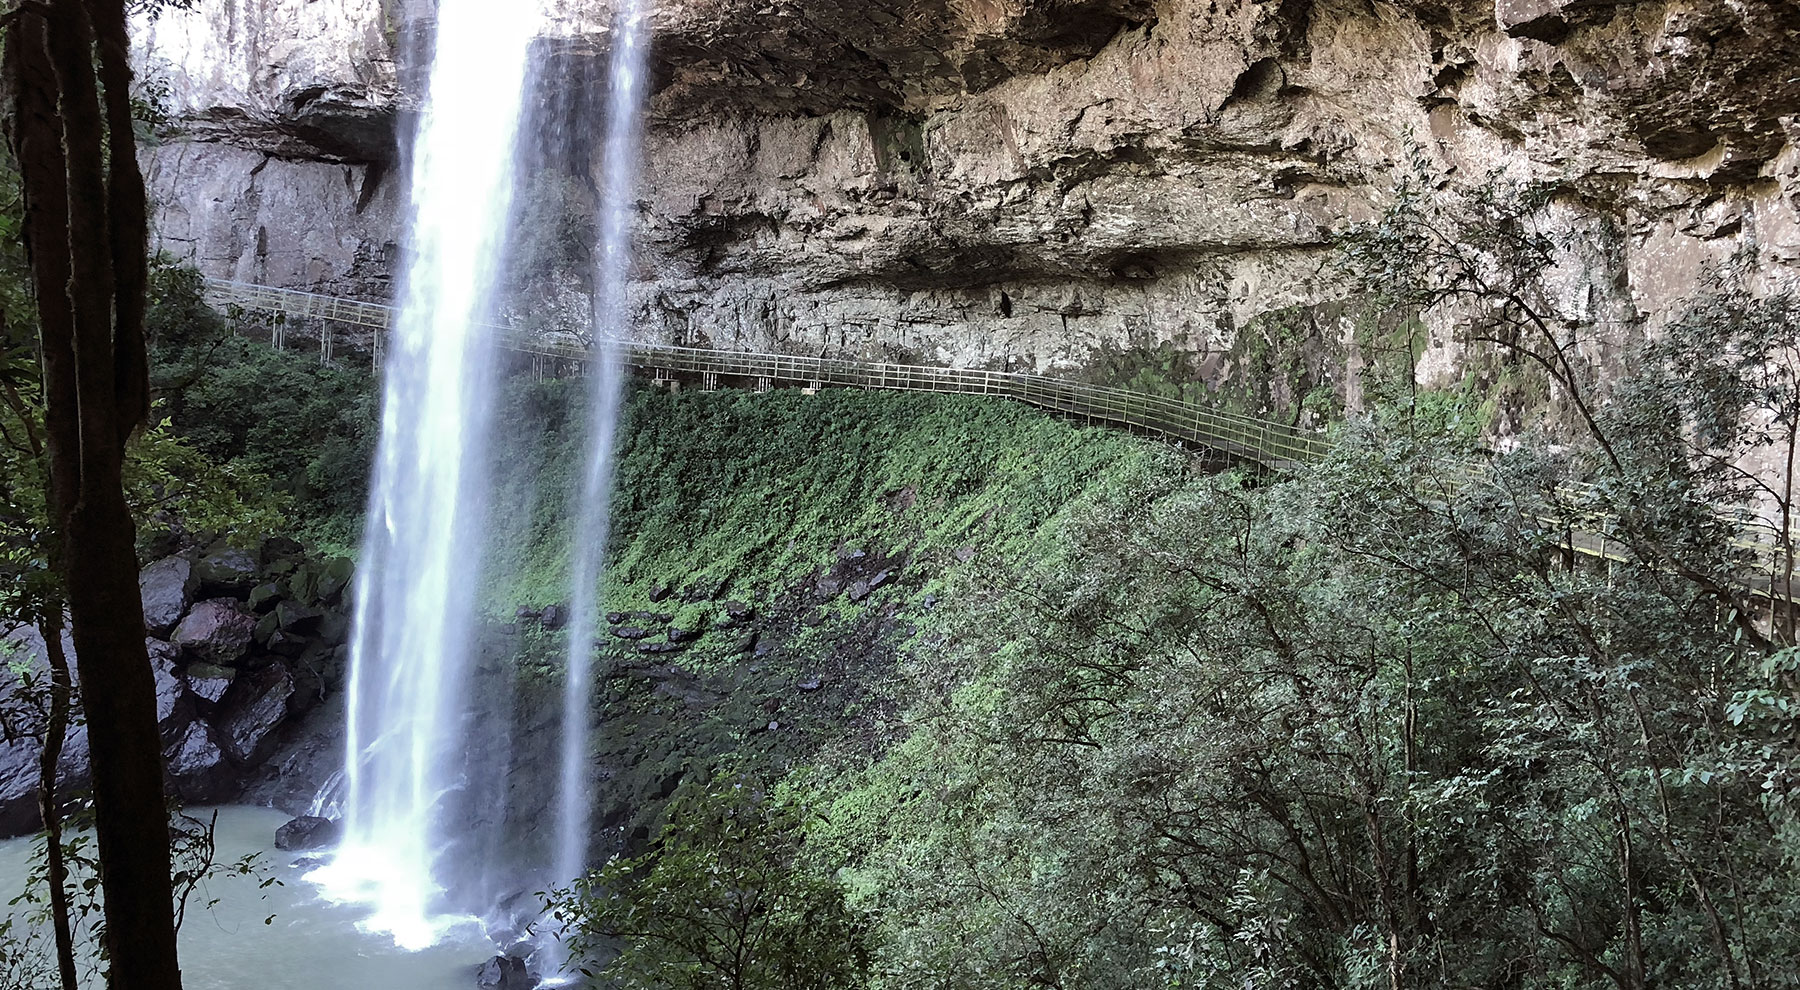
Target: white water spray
422, 543
611, 332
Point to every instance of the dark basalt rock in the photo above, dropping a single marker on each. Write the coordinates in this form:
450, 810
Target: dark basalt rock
298, 619
661, 647
334, 579
630, 632
19, 813
167, 588
307, 832
679, 635
554, 617
216, 632
264, 596
274, 548
334, 628
504, 973
173, 709
286, 644
198, 769
253, 709
226, 573
208, 683
660, 592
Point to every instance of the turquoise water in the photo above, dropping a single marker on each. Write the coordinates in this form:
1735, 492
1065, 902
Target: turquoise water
309, 942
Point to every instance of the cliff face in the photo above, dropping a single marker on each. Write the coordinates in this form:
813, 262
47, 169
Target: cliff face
1025, 182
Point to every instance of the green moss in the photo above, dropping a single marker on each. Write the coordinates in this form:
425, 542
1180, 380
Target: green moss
755, 492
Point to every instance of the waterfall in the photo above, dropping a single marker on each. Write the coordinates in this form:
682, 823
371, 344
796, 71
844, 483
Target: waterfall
619, 166
421, 558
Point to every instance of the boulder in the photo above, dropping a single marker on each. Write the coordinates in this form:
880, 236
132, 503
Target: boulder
554, 617
173, 709
274, 548
253, 709
630, 632
298, 619
739, 611
333, 579
334, 628
504, 973
266, 628
198, 769
679, 635
19, 814
307, 832
226, 573
264, 596
216, 632
660, 592
208, 683
167, 588
287, 644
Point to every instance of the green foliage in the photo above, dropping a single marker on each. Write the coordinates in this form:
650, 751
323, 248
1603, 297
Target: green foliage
305, 430
726, 900
1479, 262
759, 490
1364, 727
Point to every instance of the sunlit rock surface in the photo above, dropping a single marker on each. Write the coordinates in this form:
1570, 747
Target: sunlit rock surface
1024, 182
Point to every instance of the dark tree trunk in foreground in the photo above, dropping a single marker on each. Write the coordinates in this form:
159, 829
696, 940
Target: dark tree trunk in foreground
68, 73
57, 727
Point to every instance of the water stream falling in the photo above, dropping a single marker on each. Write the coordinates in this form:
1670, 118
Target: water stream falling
422, 543
619, 167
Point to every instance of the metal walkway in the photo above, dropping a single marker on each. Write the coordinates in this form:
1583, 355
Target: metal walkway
1273, 445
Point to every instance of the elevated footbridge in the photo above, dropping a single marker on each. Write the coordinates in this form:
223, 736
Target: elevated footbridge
1271, 444
1276, 446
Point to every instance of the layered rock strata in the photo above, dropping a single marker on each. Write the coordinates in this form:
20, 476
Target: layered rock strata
1017, 183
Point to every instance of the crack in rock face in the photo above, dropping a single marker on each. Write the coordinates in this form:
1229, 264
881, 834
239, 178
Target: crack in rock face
1025, 184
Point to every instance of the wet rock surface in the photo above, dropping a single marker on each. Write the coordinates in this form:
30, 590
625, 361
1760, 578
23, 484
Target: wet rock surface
216, 632
168, 587
307, 832
229, 702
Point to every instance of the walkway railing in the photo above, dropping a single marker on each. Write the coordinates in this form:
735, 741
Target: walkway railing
1271, 444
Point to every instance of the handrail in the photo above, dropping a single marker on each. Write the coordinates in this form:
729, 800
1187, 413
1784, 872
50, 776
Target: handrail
1275, 445
1278, 446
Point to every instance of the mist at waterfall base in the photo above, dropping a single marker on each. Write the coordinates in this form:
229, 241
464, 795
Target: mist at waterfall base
422, 545
619, 167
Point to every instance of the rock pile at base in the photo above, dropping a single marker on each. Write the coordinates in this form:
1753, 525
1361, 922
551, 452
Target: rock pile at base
242, 643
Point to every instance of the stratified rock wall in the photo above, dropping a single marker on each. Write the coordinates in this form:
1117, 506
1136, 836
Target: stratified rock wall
1026, 182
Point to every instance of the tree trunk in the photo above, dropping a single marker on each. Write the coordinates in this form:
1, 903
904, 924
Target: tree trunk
84, 220
56, 727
